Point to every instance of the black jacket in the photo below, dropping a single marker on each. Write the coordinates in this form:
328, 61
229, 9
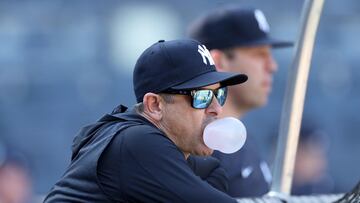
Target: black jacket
124, 158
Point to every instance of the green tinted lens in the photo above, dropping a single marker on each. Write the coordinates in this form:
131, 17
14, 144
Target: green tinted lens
221, 95
202, 99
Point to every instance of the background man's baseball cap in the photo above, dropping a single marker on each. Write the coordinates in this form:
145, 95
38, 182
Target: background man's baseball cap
179, 65
234, 26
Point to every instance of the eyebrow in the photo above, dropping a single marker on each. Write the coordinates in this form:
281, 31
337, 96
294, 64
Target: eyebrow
201, 88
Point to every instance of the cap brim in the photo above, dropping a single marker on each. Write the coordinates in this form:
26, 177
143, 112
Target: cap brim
274, 43
210, 78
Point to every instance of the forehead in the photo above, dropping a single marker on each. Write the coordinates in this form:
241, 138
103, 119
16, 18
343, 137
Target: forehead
259, 48
211, 87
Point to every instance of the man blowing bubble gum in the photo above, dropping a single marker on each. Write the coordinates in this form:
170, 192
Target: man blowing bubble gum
142, 155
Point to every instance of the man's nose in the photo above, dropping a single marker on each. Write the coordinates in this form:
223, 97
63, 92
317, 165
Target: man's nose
272, 64
214, 108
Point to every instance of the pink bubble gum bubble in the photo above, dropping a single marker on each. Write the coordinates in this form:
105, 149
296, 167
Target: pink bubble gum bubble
227, 135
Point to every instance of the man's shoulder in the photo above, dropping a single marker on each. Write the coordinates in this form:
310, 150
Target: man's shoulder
141, 135
140, 130
141, 141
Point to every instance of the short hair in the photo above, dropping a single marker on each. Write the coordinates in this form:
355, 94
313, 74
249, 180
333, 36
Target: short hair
229, 52
168, 98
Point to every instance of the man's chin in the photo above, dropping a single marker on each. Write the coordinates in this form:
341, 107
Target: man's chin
210, 152
205, 152
261, 102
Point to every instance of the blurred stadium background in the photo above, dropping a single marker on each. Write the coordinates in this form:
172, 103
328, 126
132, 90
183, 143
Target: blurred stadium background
63, 64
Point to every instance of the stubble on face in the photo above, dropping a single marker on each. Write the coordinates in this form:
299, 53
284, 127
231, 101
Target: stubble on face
201, 148
191, 135
185, 125
182, 125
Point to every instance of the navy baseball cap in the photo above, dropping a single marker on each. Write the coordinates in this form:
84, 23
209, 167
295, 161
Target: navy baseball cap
179, 65
232, 27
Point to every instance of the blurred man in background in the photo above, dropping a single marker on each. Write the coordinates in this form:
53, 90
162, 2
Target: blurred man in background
239, 41
310, 171
15, 180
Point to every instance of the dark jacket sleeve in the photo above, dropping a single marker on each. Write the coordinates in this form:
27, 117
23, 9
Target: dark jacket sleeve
153, 169
209, 169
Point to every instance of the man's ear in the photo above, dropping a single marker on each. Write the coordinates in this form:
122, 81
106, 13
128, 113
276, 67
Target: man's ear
219, 59
153, 106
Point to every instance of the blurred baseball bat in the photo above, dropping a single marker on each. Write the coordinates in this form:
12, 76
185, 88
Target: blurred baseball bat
294, 100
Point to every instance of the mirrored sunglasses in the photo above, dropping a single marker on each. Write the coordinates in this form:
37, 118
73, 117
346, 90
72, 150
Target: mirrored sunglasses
202, 98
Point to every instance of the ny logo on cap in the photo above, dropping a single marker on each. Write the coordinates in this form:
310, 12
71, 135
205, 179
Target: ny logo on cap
205, 54
260, 18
